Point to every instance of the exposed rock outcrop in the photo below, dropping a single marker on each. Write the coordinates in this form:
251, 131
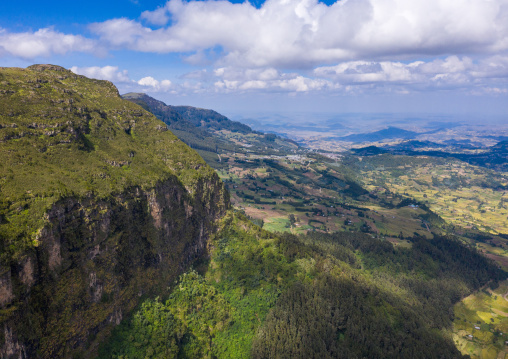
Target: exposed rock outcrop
96, 258
72, 271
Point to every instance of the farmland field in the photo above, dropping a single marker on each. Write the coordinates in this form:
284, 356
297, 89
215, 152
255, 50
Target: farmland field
298, 194
484, 316
463, 195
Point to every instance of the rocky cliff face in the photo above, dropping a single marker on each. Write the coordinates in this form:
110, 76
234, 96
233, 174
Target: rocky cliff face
75, 256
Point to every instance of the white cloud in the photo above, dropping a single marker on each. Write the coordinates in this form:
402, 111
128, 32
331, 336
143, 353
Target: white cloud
154, 85
121, 32
302, 84
495, 90
157, 17
234, 79
451, 64
148, 81
43, 42
451, 72
110, 73
301, 45
254, 84
165, 84
485, 76
121, 79
289, 33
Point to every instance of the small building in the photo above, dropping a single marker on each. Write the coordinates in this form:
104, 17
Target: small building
477, 327
471, 337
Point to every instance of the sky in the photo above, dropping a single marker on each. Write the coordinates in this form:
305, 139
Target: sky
417, 56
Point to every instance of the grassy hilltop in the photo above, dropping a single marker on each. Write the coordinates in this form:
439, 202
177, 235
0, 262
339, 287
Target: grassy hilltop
62, 134
99, 205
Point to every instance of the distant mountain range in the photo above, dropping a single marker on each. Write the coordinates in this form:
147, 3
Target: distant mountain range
495, 157
414, 145
390, 133
386, 134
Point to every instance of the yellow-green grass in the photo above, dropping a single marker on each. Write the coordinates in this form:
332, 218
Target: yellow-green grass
488, 310
467, 206
281, 224
92, 144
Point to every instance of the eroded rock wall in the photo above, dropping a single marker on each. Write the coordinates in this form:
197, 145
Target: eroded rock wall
96, 259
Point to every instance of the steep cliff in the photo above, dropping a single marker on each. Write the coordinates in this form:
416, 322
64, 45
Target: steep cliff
100, 206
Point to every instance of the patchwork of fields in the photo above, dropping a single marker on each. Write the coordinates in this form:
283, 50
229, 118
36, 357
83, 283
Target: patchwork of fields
480, 328
463, 195
298, 194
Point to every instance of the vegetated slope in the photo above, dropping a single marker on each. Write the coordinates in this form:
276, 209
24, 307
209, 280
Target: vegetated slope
183, 116
464, 195
272, 184
210, 119
99, 205
211, 133
193, 134
313, 192
342, 295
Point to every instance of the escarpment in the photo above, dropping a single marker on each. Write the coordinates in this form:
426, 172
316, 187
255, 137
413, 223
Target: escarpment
100, 206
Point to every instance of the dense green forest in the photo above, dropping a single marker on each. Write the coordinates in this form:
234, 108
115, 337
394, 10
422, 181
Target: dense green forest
341, 295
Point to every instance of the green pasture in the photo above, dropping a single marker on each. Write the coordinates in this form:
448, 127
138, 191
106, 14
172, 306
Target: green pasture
487, 310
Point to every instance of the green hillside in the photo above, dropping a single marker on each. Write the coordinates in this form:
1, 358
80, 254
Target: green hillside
195, 136
211, 134
342, 295
308, 192
62, 134
99, 205
210, 119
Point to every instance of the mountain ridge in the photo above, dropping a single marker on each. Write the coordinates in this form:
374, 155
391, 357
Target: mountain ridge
199, 117
99, 205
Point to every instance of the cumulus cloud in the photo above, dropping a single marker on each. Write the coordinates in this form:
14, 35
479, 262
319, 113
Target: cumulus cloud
155, 85
306, 33
301, 45
110, 73
157, 17
484, 76
446, 73
233, 79
44, 42
122, 80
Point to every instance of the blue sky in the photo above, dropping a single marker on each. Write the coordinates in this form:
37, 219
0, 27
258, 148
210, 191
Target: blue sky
433, 56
